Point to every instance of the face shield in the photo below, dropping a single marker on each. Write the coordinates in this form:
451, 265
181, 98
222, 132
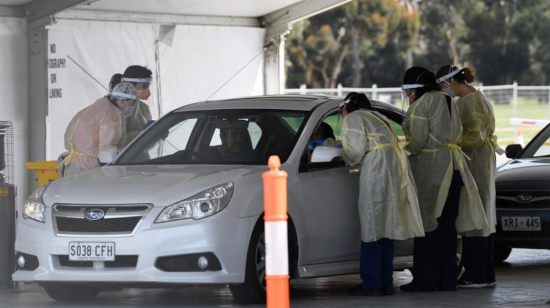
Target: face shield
340, 118
446, 79
411, 96
126, 96
142, 86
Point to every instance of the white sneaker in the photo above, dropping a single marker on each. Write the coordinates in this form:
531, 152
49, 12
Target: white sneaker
463, 284
491, 284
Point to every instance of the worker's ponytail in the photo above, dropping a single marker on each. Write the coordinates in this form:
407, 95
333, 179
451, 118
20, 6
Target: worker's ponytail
116, 79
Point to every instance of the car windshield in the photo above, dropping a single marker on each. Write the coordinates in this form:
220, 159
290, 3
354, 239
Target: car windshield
540, 146
244, 136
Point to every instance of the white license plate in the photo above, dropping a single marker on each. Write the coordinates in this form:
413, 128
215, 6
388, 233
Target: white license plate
520, 223
91, 251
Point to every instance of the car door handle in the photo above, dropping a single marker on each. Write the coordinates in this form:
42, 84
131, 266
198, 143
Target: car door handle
355, 170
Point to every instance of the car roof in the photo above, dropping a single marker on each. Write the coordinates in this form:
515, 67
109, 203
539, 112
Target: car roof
283, 102
277, 102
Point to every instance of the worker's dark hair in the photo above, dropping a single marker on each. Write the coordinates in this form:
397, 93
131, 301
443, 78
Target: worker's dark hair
134, 71
357, 101
116, 79
421, 75
464, 75
137, 71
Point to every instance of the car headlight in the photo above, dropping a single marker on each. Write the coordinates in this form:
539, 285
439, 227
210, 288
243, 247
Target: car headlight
34, 207
201, 205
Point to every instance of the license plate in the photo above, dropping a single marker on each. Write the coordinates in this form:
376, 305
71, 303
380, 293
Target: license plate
521, 223
91, 251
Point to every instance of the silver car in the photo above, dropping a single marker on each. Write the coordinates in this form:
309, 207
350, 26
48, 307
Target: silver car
183, 204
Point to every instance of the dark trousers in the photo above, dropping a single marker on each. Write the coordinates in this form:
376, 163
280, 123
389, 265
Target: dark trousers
435, 254
376, 263
478, 254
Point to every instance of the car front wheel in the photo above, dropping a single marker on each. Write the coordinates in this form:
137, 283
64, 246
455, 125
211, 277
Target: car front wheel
253, 288
67, 292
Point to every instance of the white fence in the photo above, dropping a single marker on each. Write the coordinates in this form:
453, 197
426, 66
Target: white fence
499, 95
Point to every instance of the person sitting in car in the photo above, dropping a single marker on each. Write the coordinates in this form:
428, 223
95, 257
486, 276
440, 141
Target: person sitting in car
236, 146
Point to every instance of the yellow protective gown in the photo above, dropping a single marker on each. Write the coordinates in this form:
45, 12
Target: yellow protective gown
92, 129
480, 144
388, 204
135, 122
433, 140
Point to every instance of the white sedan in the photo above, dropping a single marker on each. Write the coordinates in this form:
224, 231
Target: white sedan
183, 204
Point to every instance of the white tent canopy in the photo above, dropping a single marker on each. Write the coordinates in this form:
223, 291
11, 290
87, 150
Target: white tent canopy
59, 55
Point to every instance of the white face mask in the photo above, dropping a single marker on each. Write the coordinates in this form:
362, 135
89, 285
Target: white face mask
449, 91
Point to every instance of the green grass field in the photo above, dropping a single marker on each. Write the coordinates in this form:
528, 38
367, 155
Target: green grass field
527, 109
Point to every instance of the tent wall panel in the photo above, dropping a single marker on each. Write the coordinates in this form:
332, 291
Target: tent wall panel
199, 60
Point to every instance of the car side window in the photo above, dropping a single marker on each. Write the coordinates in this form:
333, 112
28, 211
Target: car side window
327, 133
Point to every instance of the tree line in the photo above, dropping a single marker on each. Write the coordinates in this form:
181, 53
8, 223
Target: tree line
369, 42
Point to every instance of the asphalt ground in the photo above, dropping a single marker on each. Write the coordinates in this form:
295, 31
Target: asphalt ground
523, 281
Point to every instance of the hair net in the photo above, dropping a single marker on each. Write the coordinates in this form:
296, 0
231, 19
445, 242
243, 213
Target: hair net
125, 90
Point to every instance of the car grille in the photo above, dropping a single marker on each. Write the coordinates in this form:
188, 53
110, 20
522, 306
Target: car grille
119, 262
90, 226
114, 219
509, 199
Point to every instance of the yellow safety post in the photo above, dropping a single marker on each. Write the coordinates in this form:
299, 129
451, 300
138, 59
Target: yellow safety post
46, 171
276, 240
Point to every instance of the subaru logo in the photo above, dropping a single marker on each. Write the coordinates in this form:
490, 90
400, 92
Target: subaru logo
524, 197
94, 214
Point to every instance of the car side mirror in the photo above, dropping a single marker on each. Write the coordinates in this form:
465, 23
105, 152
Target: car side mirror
323, 154
513, 150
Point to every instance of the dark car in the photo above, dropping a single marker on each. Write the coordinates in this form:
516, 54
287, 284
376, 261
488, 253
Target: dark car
523, 197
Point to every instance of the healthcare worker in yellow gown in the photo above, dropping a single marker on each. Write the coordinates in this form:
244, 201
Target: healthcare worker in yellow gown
95, 133
388, 204
447, 194
479, 143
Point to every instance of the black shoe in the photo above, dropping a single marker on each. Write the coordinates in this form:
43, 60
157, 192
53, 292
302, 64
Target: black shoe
410, 287
447, 288
388, 289
362, 291
465, 284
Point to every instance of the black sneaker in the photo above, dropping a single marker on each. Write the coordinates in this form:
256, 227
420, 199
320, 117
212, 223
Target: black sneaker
410, 287
464, 284
388, 289
447, 288
362, 291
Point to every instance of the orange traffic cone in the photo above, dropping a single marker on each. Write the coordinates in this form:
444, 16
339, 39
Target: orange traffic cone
276, 230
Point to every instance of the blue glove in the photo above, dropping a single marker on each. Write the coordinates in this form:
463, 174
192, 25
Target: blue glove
314, 143
149, 123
